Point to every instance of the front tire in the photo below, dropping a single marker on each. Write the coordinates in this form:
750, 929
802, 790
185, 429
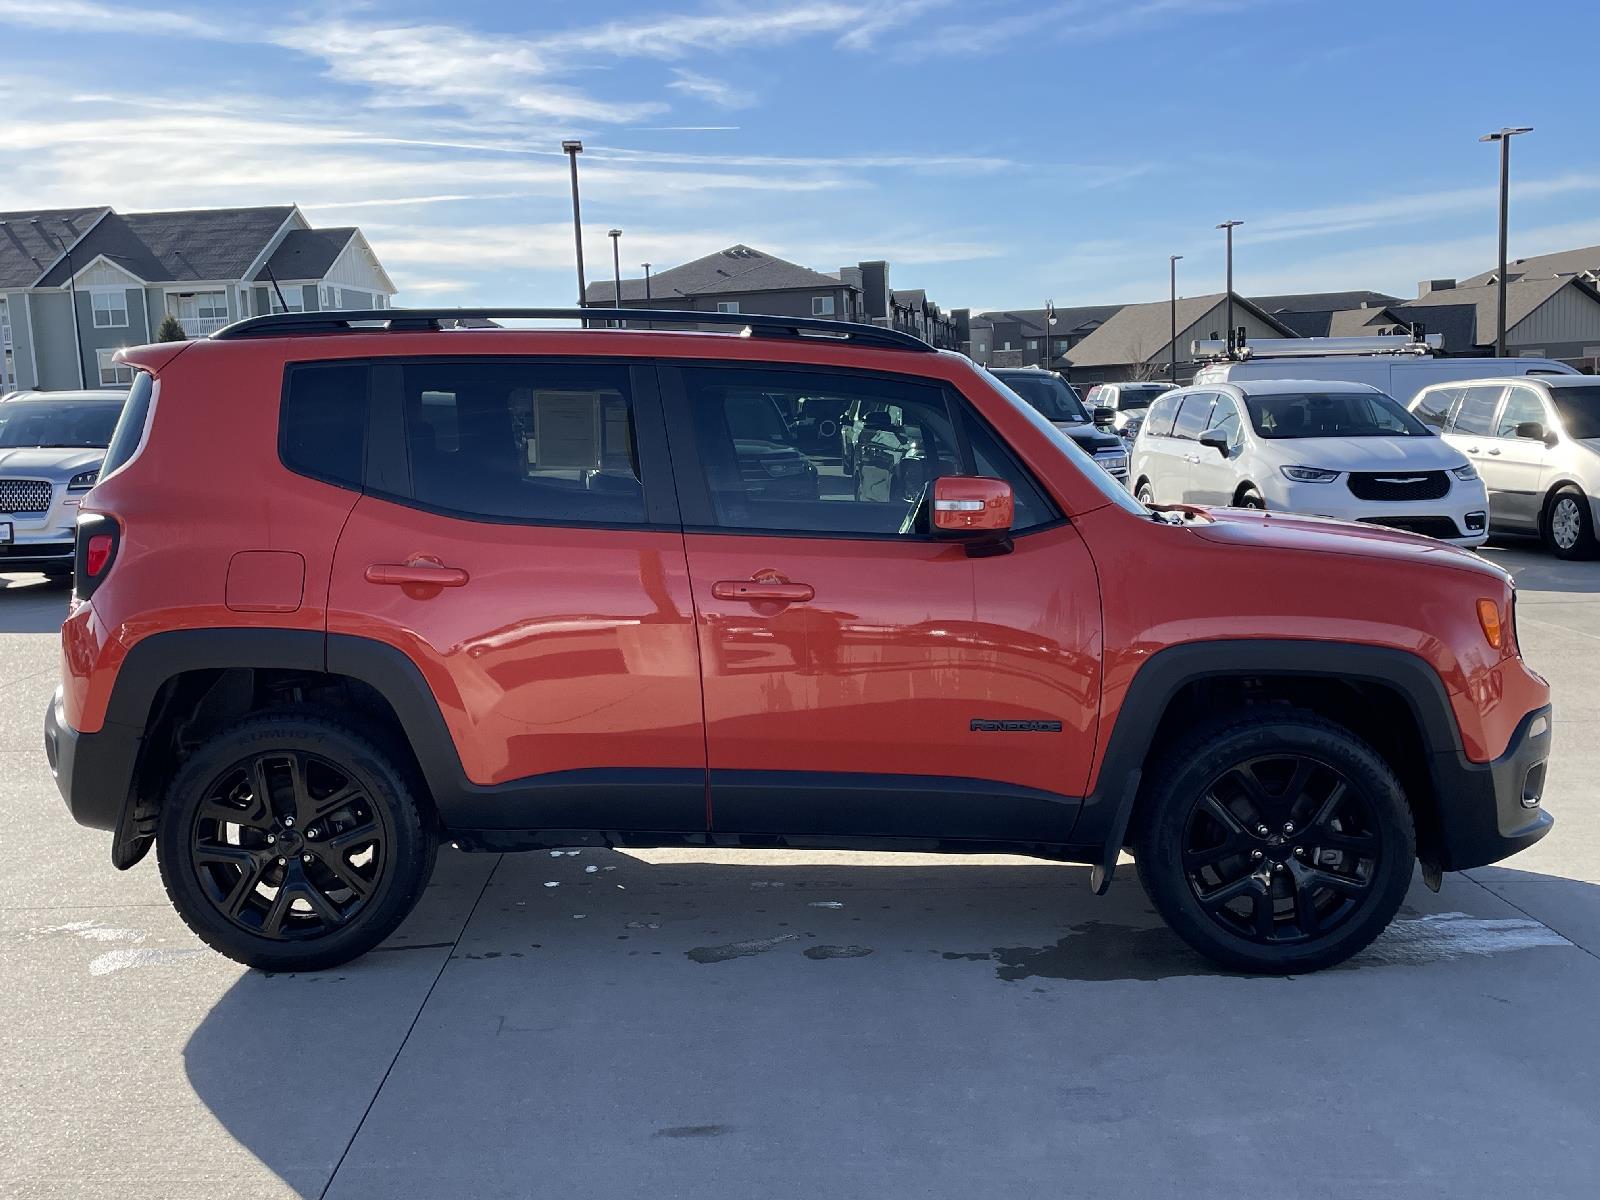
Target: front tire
1568, 525
1145, 494
1275, 843
1251, 499
293, 843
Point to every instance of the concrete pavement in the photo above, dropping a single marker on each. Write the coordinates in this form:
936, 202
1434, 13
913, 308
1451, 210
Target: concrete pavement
703, 1024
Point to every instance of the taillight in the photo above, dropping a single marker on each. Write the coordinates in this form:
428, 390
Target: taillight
98, 538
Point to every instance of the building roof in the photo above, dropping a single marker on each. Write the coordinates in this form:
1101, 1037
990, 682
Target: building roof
1456, 324
734, 270
1138, 332
913, 298
27, 250
1320, 302
177, 247
1522, 297
1543, 266
1068, 320
307, 253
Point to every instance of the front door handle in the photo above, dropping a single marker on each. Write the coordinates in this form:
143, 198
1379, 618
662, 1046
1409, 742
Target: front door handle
1494, 449
419, 571
758, 590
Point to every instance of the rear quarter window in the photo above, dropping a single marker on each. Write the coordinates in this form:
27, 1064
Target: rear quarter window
322, 425
125, 438
1162, 412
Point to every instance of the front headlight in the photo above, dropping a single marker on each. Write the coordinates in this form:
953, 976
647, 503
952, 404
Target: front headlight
83, 480
1467, 473
1309, 474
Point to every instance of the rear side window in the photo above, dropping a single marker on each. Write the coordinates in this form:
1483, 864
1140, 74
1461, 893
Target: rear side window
536, 441
322, 426
1162, 412
129, 432
1194, 416
1476, 414
1433, 407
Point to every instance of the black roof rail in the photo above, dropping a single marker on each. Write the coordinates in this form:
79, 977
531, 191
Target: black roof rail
411, 319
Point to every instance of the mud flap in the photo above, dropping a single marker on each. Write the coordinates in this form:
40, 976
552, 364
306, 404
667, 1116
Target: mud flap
1102, 873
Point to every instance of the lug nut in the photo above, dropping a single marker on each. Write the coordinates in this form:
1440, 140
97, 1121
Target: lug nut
1277, 866
305, 858
311, 833
1299, 851
1255, 854
1262, 830
270, 839
1288, 827
283, 862
288, 822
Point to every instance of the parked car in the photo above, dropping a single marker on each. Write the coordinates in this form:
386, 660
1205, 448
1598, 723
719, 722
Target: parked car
1536, 442
1319, 448
1054, 399
1129, 401
1399, 375
51, 446
511, 589
769, 464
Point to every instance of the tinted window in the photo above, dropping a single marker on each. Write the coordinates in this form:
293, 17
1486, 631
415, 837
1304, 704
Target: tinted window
129, 432
992, 460
1432, 408
1579, 409
1331, 414
85, 424
524, 441
1476, 414
323, 423
1522, 406
760, 476
1194, 416
1130, 399
1162, 412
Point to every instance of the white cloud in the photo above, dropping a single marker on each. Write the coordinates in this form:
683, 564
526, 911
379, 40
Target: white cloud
87, 16
1065, 20
714, 91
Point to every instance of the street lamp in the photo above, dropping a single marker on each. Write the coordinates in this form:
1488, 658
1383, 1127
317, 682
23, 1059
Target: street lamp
72, 290
646, 267
1172, 267
616, 265
1229, 226
572, 149
1504, 137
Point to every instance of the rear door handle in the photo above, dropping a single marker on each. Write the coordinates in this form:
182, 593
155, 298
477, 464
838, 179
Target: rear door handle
755, 591
427, 574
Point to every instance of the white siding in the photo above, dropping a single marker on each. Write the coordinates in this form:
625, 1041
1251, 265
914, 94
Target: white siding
357, 267
104, 274
1568, 316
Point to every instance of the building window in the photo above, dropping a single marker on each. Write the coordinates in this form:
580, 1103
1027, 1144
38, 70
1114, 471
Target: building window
1006, 345
325, 297
1033, 343
199, 313
113, 374
728, 306
110, 309
293, 300
822, 306
380, 301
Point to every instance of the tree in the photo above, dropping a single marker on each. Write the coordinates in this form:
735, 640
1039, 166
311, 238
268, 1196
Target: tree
1145, 366
171, 330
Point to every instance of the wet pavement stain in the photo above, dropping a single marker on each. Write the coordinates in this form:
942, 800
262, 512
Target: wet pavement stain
821, 952
692, 1131
1099, 952
716, 954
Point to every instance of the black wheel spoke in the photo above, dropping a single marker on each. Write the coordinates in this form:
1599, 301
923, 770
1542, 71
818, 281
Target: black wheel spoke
1327, 809
1305, 905
351, 878
251, 866
315, 809
253, 815
348, 840
1219, 897
1222, 815
1341, 884
1262, 916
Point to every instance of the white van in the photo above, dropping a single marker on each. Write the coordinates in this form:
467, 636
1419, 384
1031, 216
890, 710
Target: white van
1399, 375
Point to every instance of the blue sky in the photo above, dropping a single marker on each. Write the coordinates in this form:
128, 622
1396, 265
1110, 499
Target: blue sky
997, 153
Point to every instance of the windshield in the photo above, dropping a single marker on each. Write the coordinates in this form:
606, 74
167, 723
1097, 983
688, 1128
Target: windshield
1132, 398
1331, 414
1047, 393
79, 423
1580, 410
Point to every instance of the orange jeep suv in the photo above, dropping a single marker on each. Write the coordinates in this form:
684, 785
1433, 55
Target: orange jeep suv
354, 583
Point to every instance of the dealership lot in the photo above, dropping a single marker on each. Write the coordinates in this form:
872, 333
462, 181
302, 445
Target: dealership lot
689, 1023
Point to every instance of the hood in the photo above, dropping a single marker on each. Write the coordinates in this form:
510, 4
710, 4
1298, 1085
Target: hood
1090, 437
1276, 531
49, 462
1399, 454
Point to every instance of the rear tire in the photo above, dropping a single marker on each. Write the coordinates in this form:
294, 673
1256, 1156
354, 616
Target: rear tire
1568, 525
294, 843
1275, 842
1250, 498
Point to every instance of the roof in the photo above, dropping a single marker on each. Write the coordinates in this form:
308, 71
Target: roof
307, 253
1320, 302
1543, 266
1277, 387
26, 249
910, 298
1068, 320
1522, 297
737, 269
1456, 324
1140, 331
175, 247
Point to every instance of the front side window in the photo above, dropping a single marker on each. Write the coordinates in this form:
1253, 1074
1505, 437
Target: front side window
1194, 418
1331, 414
1522, 407
1433, 406
110, 309
1579, 410
1476, 412
822, 306
541, 442
112, 374
1162, 415
1225, 419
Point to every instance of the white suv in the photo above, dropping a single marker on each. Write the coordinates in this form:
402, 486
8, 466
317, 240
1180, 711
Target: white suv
1314, 446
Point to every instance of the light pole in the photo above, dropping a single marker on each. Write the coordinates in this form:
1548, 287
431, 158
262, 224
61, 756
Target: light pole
616, 265
72, 291
646, 267
572, 150
1229, 226
1172, 267
1504, 137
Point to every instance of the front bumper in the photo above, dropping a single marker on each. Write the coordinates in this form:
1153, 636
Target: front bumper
1490, 811
1465, 507
94, 771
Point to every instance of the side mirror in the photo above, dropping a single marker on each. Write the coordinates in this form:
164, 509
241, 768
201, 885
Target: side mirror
974, 510
1217, 440
1532, 430
1104, 416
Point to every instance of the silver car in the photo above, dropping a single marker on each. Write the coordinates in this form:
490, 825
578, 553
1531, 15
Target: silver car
1536, 442
51, 448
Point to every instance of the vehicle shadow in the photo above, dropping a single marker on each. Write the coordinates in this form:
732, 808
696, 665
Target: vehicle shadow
1536, 569
586, 1023
33, 603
